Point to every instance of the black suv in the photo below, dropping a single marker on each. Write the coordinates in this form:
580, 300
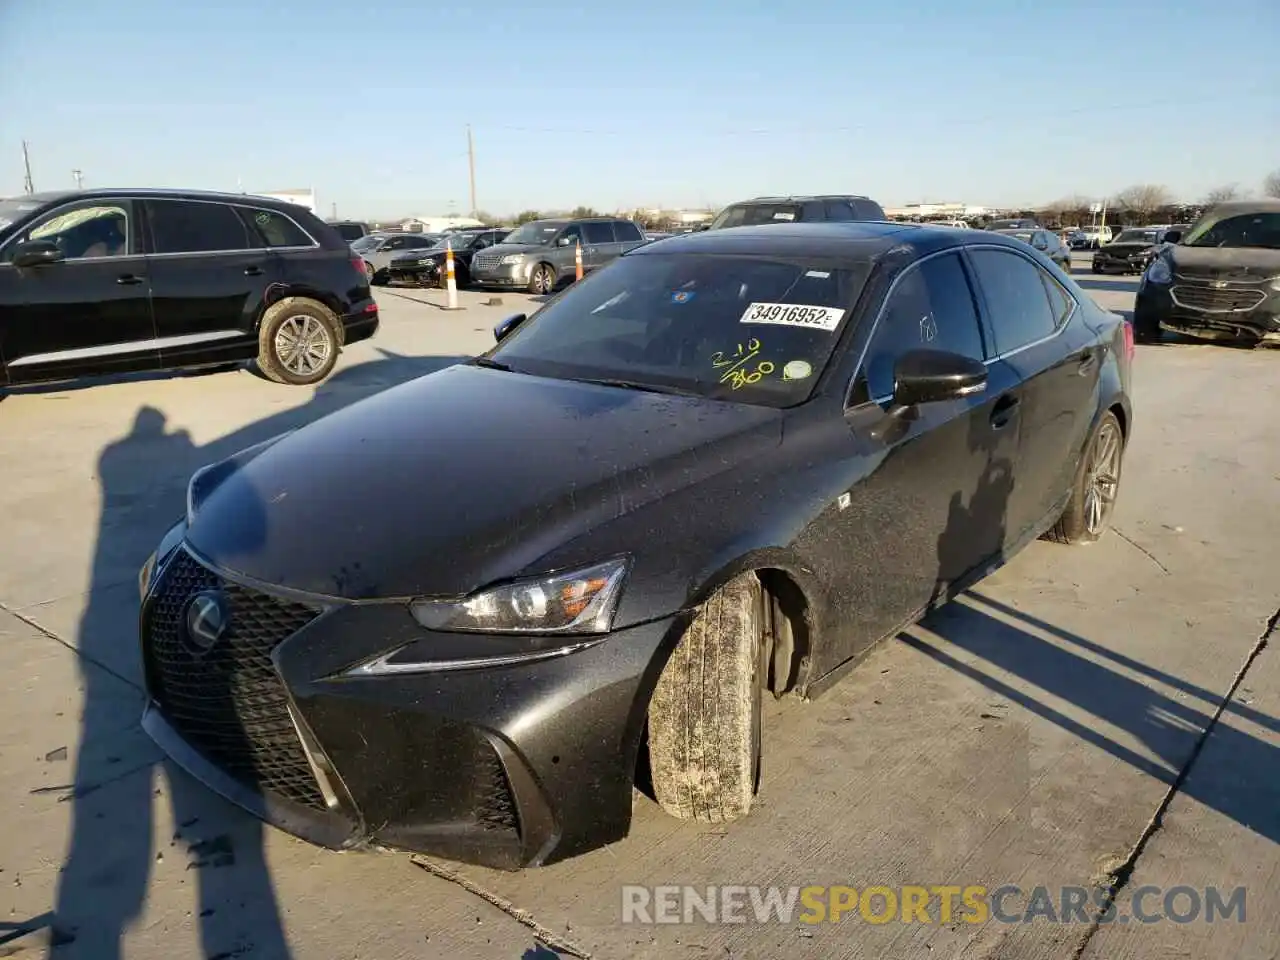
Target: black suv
791, 209
109, 281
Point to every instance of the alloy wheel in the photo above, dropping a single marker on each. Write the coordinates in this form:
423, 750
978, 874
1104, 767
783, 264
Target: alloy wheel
1103, 480
303, 345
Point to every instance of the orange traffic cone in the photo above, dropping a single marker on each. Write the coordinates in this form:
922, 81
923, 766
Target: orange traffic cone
577, 260
450, 280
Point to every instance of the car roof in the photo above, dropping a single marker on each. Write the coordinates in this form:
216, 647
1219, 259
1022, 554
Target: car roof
799, 198
159, 193
1236, 207
853, 239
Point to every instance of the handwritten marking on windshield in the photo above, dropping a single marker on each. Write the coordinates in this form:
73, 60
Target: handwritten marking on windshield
738, 357
739, 378
734, 364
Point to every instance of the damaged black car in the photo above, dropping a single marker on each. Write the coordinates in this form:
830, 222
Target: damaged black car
1219, 281
460, 616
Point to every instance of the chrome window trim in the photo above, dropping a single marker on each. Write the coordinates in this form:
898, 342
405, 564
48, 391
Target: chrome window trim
959, 249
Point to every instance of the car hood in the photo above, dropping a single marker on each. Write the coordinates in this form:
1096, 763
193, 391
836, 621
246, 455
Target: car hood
413, 256
1225, 263
506, 249
467, 476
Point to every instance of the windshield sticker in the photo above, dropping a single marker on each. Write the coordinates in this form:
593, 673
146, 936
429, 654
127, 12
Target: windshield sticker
794, 315
736, 365
682, 296
782, 215
797, 370
262, 218
818, 274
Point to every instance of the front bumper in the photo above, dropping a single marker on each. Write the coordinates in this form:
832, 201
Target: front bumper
1161, 307
505, 767
508, 276
1135, 263
414, 273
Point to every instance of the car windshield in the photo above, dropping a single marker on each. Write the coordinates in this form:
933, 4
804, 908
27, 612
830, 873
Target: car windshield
1242, 230
1138, 236
752, 330
538, 233
365, 243
456, 241
751, 214
349, 231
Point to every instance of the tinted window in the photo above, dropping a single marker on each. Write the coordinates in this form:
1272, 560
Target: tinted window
349, 231
626, 231
737, 328
747, 214
275, 229
572, 234
840, 210
98, 230
597, 232
931, 308
181, 226
1247, 230
868, 209
1060, 301
1016, 298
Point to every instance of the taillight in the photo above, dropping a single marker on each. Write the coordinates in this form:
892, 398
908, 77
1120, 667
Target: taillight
358, 263
1128, 340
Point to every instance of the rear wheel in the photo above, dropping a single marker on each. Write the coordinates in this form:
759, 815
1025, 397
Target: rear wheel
1093, 496
704, 718
298, 341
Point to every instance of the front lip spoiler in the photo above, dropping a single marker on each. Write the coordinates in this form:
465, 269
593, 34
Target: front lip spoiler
331, 831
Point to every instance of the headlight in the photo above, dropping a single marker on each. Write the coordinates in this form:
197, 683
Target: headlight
512, 258
426, 263
205, 480
1159, 271
581, 601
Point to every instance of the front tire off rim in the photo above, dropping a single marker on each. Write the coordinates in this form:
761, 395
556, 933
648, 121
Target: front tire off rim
1104, 478
303, 345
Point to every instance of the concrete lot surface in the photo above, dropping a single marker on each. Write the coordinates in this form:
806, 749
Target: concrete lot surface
1040, 731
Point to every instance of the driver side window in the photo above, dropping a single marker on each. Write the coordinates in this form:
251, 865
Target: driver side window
85, 232
572, 234
932, 308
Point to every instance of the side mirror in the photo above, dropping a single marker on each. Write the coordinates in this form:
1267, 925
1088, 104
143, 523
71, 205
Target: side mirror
504, 327
564, 241
33, 253
931, 376
1172, 236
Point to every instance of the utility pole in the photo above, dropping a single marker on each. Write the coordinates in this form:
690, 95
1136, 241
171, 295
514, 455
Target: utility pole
471, 164
333, 210
79, 178
26, 162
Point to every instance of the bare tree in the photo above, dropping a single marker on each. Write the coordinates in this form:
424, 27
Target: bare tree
524, 216
1144, 199
1222, 194
1271, 184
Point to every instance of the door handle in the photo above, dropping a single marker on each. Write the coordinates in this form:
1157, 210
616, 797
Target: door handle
1004, 411
128, 279
253, 271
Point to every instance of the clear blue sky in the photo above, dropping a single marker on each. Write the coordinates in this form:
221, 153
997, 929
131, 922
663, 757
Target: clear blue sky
651, 103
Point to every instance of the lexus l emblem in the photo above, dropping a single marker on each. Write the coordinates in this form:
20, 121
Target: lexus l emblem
207, 620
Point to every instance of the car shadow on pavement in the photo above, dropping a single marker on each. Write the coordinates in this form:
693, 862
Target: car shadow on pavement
113, 855
1163, 733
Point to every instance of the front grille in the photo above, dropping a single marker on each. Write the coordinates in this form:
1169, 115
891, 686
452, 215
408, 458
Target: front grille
229, 702
486, 261
1220, 300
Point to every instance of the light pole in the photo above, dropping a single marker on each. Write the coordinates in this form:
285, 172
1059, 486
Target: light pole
79, 177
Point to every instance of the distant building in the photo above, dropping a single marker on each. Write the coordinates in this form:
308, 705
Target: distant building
437, 224
936, 211
303, 197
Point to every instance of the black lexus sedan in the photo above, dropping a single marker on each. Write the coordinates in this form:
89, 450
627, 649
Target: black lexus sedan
427, 267
726, 463
1218, 281
116, 281
1131, 251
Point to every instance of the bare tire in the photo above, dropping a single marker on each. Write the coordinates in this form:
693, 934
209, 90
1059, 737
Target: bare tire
369, 271
1093, 495
542, 280
704, 718
298, 341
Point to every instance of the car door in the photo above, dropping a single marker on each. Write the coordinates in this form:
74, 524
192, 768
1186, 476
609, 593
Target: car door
1058, 366
599, 245
934, 507
209, 279
87, 313
562, 252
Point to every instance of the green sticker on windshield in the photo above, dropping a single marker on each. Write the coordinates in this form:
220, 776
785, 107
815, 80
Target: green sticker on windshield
797, 370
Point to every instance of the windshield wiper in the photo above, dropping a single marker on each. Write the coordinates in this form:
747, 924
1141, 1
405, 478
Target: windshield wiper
491, 364
633, 385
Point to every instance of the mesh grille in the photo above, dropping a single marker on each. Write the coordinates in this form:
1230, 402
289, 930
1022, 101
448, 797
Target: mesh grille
492, 801
229, 702
1208, 298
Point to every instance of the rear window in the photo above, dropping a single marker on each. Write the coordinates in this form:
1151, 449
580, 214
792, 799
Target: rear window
750, 330
275, 229
754, 214
349, 231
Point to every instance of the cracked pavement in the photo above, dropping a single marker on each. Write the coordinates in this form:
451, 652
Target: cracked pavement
1109, 711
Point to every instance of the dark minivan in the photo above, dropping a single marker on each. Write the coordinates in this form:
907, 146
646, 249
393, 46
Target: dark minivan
114, 281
